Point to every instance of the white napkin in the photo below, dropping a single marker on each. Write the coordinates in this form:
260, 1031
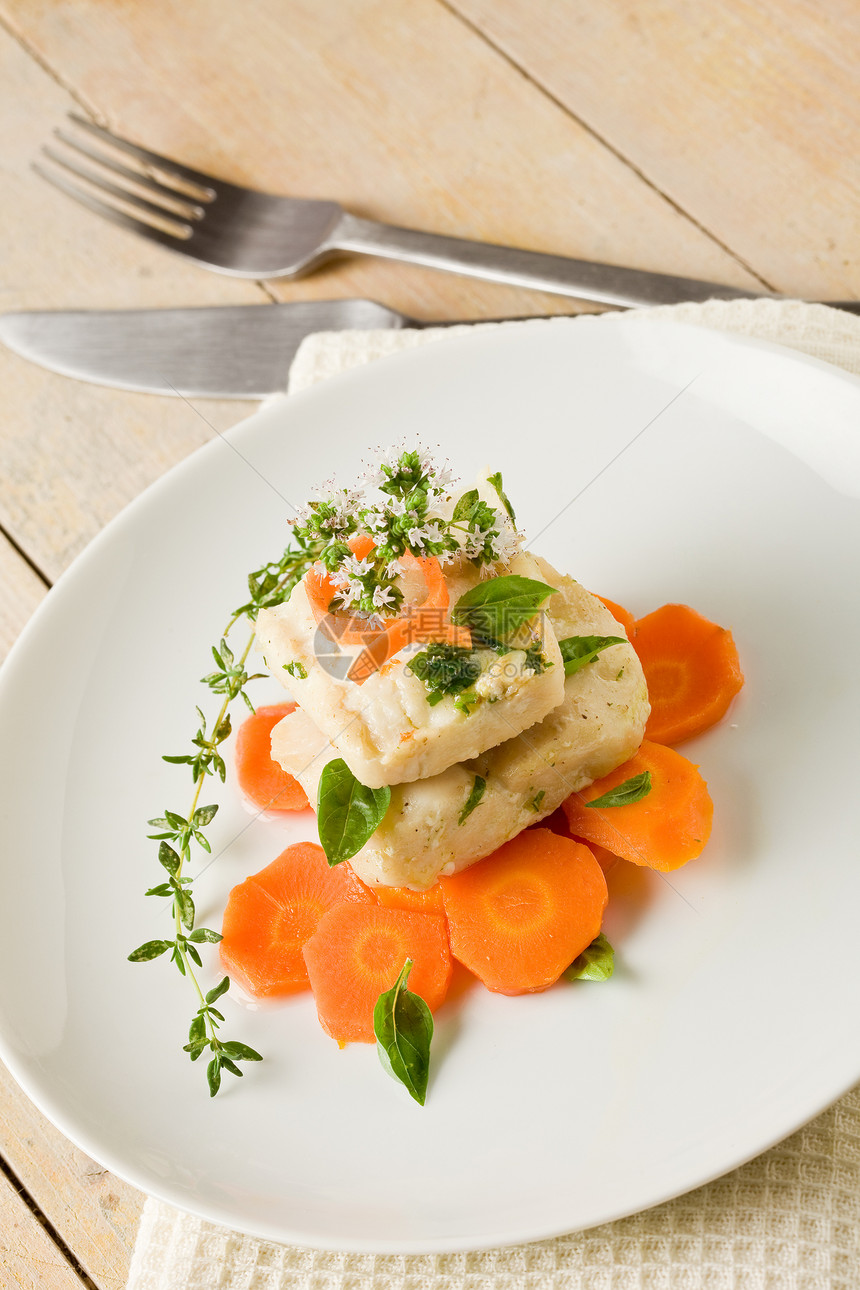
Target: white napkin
789, 1220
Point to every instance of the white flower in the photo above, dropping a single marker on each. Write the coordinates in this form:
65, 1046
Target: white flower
509, 542
382, 597
322, 492
433, 532
393, 568
356, 568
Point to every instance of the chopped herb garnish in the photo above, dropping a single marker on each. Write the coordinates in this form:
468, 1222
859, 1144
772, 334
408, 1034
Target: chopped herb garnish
473, 799
536, 660
298, 670
577, 651
445, 669
466, 702
534, 803
632, 790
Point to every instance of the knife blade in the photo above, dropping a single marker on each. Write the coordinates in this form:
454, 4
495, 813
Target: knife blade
220, 351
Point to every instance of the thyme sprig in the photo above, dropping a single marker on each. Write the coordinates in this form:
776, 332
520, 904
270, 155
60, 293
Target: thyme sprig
177, 835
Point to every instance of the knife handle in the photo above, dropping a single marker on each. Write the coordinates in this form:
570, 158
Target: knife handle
607, 283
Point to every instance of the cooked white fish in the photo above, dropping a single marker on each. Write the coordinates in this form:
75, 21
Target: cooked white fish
599, 724
386, 730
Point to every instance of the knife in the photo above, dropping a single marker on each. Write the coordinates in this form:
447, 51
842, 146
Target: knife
219, 352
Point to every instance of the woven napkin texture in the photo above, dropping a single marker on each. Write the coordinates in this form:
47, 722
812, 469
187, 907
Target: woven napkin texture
789, 1220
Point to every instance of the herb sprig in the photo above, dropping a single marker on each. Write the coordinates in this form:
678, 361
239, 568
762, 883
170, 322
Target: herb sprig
179, 835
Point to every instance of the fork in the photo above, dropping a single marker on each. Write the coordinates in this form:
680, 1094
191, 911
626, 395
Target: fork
251, 234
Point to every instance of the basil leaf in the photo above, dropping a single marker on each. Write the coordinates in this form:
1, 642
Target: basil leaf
348, 813
496, 481
465, 505
632, 790
596, 963
473, 799
403, 1027
577, 651
495, 609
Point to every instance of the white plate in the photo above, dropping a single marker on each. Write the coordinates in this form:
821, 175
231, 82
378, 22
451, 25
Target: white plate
732, 1017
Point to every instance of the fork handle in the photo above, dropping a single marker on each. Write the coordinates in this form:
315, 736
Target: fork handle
608, 283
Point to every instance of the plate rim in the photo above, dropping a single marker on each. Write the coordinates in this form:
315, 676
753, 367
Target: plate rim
63, 588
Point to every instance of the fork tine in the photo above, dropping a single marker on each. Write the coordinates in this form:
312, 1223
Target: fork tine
105, 186
161, 236
185, 174
190, 208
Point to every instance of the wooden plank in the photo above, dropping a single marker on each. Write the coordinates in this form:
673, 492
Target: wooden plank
29, 1259
72, 455
21, 591
744, 112
359, 100
363, 101
94, 1212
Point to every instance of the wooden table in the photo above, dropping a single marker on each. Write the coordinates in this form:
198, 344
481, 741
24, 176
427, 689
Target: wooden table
713, 138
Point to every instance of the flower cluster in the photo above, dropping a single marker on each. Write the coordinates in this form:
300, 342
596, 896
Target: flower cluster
415, 513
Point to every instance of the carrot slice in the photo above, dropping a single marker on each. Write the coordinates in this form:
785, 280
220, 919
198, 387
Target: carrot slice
270, 916
260, 778
621, 615
692, 671
661, 831
357, 952
520, 917
427, 902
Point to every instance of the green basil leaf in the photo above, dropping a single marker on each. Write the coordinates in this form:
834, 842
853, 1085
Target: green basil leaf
577, 651
596, 963
403, 1027
632, 790
473, 799
465, 504
348, 813
497, 608
496, 481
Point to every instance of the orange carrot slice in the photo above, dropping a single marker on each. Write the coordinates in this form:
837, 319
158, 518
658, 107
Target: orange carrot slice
692, 671
426, 902
357, 952
621, 615
260, 778
520, 917
661, 831
270, 916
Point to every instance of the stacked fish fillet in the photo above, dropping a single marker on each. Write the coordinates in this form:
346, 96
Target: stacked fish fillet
534, 737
